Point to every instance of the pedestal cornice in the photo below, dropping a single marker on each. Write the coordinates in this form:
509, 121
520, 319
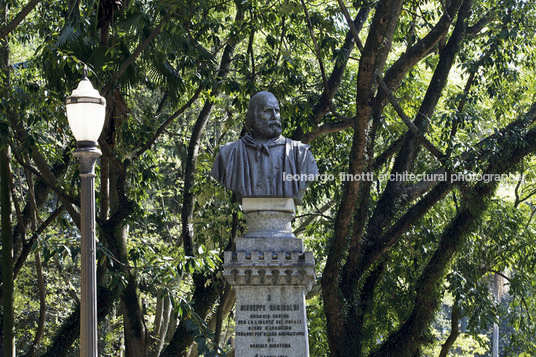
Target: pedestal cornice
270, 268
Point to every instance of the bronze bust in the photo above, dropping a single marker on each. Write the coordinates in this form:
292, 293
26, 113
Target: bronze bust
263, 163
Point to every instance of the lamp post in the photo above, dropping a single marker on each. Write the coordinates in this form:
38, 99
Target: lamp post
85, 112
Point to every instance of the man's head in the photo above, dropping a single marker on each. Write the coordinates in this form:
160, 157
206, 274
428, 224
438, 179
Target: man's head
263, 119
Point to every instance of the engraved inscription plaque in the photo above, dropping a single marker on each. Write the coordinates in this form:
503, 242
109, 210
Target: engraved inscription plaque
271, 321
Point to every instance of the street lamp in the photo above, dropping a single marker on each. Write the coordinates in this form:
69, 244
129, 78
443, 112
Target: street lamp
85, 112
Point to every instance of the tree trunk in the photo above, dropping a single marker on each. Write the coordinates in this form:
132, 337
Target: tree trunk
197, 133
342, 340
163, 312
115, 234
395, 191
42, 307
134, 324
454, 330
70, 329
204, 296
8, 321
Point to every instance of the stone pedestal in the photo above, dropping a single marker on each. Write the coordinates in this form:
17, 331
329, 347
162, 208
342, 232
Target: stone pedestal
271, 274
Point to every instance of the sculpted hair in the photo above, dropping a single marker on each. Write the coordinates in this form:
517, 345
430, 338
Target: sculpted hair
254, 103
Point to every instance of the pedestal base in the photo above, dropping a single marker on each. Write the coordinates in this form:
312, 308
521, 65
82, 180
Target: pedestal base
270, 301
271, 274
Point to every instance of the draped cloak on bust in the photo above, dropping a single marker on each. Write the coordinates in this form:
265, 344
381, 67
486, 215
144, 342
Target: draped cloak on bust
278, 168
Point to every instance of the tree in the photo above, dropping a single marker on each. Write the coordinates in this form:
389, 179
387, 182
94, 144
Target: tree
401, 102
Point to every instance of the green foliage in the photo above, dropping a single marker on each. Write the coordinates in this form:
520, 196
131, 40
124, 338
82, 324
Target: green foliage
150, 155
316, 328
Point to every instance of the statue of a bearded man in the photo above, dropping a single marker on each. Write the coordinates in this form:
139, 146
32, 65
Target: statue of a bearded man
263, 163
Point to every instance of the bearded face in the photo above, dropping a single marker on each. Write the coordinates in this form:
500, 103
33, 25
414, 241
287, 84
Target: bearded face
267, 123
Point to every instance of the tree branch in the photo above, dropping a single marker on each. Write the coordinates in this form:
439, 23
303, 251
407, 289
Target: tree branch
38, 174
317, 50
69, 331
373, 251
133, 156
428, 292
324, 104
483, 22
27, 248
414, 130
353, 29
382, 158
46, 173
137, 52
422, 48
303, 225
18, 19
326, 128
